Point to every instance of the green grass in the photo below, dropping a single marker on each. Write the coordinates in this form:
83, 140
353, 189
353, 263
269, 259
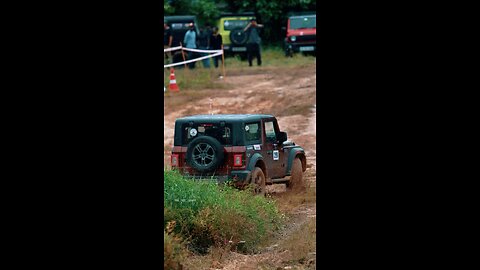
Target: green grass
198, 78
207, 215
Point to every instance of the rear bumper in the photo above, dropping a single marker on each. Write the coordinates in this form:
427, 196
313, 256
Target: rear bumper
303, 47
235, 48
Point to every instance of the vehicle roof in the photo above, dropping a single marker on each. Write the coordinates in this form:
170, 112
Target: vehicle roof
225, 117
238, 14
179, 18
302, 16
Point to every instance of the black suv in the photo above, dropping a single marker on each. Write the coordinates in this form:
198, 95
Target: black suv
179, 25
244, 148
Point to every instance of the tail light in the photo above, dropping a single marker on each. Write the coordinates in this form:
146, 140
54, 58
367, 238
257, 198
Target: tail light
237, 160
174, 160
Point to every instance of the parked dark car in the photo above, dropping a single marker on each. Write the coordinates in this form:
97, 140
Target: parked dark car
179, 25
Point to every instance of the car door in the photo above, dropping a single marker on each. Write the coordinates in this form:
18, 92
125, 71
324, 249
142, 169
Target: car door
275, 157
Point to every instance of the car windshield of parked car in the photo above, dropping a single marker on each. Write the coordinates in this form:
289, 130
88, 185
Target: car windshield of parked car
304, 22
220, 132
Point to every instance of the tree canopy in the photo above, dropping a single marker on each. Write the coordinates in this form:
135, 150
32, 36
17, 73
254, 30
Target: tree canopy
271, 13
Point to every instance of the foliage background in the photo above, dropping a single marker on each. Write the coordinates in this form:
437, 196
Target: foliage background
271, 13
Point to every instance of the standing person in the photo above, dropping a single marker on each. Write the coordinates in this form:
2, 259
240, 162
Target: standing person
204, 44
190, 41
167, 39
253, 42
216, 44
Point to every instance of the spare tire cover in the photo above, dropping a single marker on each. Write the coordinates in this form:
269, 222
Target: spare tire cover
204, 154
238, 37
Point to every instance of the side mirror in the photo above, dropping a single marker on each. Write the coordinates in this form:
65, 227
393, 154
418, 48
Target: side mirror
282, 137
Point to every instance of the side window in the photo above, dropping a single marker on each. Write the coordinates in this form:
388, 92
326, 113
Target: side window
270, 131
252, 132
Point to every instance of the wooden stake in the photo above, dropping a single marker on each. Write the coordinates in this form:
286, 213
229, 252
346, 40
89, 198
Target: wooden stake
183, 55
223, 62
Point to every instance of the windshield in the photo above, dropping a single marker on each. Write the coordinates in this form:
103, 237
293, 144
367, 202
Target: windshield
304, 22
223, 133
234, 24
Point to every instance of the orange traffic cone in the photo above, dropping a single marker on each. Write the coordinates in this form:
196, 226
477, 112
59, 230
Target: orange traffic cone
173, 83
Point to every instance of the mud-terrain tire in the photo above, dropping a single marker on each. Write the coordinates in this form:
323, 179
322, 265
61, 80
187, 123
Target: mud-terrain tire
238, 37
258, 181
297, 181
204, 154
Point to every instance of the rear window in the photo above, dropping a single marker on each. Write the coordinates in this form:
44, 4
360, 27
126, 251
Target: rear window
179, 26
234, 24
223, 133
305, 22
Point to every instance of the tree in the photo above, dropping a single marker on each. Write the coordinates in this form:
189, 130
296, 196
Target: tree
273, 14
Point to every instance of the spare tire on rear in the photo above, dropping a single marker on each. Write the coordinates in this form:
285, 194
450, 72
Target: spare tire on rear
204, 154
238, 37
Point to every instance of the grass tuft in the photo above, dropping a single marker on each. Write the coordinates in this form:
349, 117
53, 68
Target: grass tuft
208, 215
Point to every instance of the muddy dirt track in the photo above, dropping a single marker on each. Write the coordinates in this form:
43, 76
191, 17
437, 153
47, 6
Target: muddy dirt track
287, 93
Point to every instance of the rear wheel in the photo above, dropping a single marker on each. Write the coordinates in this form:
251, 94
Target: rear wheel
297, 182
258, 181
204, 154
238, 37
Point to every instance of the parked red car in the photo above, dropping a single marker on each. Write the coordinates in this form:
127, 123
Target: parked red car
301, 34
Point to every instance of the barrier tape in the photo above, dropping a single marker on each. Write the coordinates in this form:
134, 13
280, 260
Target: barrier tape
188, 49
201, 51
172, 49
220, 52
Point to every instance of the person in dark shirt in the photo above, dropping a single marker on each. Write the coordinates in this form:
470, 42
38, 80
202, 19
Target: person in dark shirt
253, 42
167, 38
204, 44
216, 44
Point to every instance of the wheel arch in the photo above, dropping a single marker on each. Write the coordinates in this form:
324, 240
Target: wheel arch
294, 153
257, 161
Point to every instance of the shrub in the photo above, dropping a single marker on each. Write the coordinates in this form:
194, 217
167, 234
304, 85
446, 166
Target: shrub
208, 215
173, 251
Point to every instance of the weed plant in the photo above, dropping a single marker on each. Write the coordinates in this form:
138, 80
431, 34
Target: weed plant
207, 214
173, 251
